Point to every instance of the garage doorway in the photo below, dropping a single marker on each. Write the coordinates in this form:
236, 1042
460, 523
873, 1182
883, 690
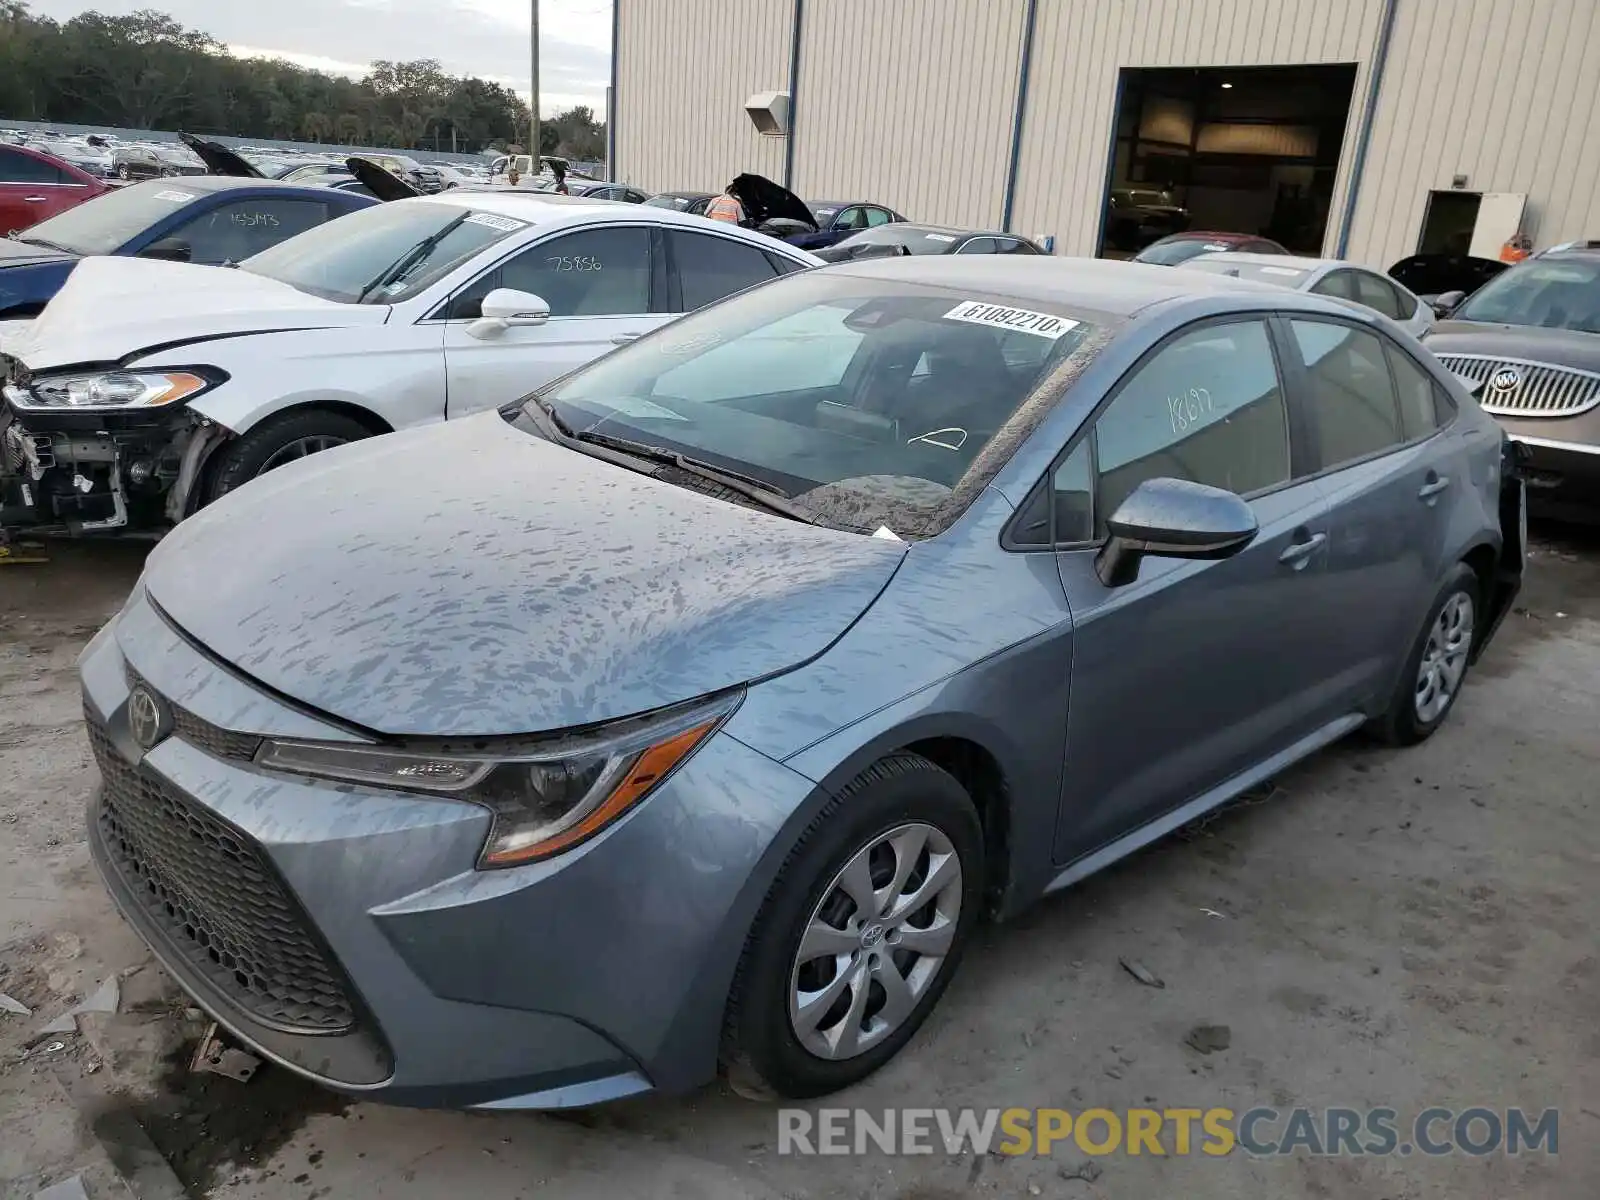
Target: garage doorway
1250, 150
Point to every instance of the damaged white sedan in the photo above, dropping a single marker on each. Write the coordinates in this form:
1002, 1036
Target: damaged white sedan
148, 389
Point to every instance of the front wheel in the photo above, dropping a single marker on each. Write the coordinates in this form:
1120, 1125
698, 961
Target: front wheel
1437, 665
859, 935
277, 441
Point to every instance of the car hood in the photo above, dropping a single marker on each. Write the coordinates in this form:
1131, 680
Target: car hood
14, 253
219, 159
474, 579
382, 183
1560, 347
113, 307
763, 200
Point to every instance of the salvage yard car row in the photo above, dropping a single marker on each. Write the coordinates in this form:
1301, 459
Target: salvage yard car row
736, 619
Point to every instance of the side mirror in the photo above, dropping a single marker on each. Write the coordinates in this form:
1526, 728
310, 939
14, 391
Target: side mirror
507, 308
1447, 303
1173, 518
170, 249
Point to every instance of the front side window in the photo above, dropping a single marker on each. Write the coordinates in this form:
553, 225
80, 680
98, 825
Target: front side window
851, 218
1377, 295
1339, 284
710, 268
1350, 396
232, 232
591, 273
977, 245
379, 255
25, 168
864, 400
1208, 407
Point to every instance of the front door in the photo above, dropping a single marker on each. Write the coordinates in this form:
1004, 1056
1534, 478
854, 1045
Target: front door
1196, 671
32, 190
600, 286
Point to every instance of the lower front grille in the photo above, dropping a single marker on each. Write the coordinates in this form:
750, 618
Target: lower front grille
216, 900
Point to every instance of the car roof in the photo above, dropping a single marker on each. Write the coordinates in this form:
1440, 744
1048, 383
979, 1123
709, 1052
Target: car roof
1118, 289
1297, 262
229, 183
550, 208
911, 227
1212, 235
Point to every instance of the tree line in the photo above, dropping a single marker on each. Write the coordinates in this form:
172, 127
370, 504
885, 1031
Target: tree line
147, 71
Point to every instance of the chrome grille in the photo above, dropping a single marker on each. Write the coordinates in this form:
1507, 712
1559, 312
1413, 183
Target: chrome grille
214, 899
1538, 389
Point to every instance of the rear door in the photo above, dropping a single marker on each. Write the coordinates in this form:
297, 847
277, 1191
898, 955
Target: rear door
1197, 671
1373, 424
604, 289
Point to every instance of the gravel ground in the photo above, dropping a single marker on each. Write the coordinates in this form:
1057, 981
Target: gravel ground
1399, 929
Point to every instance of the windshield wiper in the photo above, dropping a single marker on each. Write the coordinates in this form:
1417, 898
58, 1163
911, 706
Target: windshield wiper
402, 265
763, 493
48, 245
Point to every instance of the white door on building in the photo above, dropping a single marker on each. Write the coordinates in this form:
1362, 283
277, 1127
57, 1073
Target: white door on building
1499, 220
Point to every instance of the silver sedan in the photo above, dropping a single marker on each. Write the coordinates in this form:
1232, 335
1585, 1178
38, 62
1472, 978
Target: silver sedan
1331, 277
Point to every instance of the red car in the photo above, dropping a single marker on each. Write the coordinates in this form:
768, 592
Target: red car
35, 185
1181, 247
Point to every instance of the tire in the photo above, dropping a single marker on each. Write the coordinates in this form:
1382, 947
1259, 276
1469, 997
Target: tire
1407, 719
904, 797
243, 459
122, 171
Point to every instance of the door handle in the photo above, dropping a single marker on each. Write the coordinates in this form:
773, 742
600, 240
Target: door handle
622, 339
34, 199
1435, 485
1297, 554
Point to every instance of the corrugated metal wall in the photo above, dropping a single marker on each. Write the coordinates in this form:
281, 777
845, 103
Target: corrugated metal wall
910, 103
684, 70
1504, 92
1079, 48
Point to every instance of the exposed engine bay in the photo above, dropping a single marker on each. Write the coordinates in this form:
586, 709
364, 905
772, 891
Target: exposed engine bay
93, 473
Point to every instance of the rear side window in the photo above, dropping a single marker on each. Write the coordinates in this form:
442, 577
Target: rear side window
1208, 407
1351, 399
1418, 396
710, 268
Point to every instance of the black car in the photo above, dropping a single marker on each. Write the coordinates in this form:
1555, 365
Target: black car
1530, 340
838, 219
929, 239
601, 189
685, 202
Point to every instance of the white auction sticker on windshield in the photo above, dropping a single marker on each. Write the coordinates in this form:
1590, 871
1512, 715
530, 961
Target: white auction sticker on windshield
176, 197
938, 237
638, 406
1295, 271
1000, 316
494, 221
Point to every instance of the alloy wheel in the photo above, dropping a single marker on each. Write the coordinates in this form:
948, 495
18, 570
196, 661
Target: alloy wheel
1444, 658
875, 941
299, 448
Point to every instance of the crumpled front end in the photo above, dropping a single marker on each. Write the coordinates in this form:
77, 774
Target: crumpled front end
95, 473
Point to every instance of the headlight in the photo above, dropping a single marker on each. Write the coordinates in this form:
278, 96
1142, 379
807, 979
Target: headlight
111, 390
546, 800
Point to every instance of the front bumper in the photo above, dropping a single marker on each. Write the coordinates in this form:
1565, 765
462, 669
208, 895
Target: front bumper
346, 934
1562, 466
91, 474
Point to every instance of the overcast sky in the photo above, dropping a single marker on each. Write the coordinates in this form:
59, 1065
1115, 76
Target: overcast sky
488, 38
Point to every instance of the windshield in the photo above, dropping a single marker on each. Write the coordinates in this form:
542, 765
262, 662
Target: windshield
676, 203
918, 241
1552, 293
866, 402
104, 224
1170, 254
341, 259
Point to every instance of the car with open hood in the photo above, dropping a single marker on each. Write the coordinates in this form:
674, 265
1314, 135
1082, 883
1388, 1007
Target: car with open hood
839, 219
147, 389
207, 220
690, 714
1529, 339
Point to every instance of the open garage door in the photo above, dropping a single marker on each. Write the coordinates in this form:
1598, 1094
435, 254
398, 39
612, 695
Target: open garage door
1250, 150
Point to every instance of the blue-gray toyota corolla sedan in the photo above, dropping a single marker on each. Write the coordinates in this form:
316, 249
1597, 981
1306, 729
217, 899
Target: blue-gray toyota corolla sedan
688, 715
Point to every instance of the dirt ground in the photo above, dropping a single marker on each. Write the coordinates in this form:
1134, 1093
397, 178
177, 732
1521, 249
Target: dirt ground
1400, 929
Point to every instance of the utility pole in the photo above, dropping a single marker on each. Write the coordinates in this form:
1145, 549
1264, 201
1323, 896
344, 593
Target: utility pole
533, 139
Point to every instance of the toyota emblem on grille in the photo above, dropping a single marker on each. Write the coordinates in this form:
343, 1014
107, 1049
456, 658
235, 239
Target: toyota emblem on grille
148, 719
1505, 380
